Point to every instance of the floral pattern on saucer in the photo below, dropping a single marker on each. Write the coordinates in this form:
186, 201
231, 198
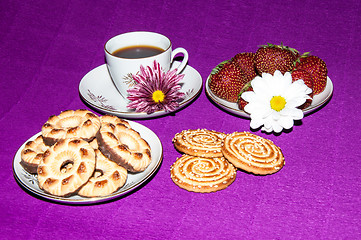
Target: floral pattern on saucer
101, 100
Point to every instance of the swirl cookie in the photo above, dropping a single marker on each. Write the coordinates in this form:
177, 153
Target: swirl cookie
32, 154
252, 153
70, 124
108, 177
199, 174
200, 142
124, 146
66, 167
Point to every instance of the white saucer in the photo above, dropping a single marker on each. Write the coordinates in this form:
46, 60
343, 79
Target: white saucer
97, 89
318, 100
134, 180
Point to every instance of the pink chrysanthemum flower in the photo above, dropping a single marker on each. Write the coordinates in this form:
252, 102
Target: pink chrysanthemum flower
155, 90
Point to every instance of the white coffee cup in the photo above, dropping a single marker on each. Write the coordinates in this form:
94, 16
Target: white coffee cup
122, 68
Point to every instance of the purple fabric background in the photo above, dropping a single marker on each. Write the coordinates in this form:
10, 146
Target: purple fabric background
47, 47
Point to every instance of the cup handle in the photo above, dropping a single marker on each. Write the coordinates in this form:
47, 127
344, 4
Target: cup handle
185, 58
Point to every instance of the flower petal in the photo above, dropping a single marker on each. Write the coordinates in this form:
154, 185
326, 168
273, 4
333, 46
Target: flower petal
248, 96
286, 122
276, 127
295, 102
256, 122
295, 113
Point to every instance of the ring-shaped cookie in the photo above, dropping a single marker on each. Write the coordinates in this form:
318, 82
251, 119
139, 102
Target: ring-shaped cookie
66, 167
94, 143
124, 146
199, 174
199, 142
113, 119
253, 153
32, 154
80, 123
108, 177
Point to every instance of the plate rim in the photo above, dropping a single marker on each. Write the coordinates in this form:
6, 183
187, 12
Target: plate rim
242, 113
93, 200
141, 115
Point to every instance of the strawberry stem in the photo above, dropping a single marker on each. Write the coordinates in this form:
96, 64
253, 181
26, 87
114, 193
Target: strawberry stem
281, 46
244, 89
219, 67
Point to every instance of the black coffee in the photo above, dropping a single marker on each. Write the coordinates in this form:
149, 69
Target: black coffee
141, 51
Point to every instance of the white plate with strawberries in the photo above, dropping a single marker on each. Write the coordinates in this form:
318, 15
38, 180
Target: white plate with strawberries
232, 107
229, 79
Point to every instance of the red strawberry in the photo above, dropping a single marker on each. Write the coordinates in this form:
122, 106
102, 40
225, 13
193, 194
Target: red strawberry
241, 102
227, 80
246, 62
270, 58
318, 70
307, 79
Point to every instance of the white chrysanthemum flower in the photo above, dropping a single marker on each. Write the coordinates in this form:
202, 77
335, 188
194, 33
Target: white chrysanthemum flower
274, 100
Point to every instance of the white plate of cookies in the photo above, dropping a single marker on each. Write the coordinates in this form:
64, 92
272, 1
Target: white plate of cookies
82, 170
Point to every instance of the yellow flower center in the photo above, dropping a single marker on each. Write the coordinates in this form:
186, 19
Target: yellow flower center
158, 96
278, 103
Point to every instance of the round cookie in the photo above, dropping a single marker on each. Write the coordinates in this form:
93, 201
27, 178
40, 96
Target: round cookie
252, 153
108, 177
71, 124
113, 119
199, 174
32, 154
124, 146
199, 142
94, 143
66, 167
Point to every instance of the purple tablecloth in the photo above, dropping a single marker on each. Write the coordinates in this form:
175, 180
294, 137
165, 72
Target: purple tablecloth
47, 47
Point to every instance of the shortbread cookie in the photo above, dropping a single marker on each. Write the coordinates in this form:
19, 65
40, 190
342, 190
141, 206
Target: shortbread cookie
80, 123
252, 153
113, 119
66, 167
124, 146
94, 143
32, 154
199, 142
199, 174
108, 177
